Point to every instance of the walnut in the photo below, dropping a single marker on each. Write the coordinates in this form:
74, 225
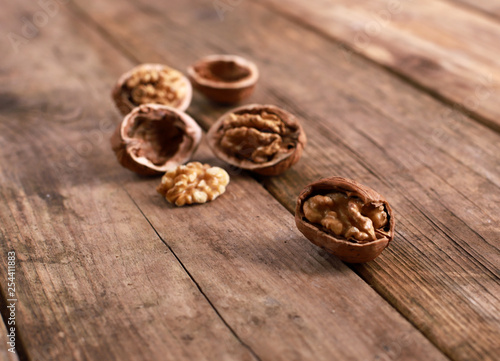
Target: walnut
154, 138
246, 136
152, 83
193, 183
225, 79
262, 138
346, 218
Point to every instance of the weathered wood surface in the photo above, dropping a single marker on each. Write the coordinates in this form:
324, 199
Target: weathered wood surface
107, 270
446, 49
488, 7
5, 354
94, 281
438, 167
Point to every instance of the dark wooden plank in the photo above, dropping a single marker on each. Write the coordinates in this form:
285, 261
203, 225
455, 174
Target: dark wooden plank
439, 168
96, 282
446, 49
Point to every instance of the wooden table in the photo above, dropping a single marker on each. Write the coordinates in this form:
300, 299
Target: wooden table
402, 96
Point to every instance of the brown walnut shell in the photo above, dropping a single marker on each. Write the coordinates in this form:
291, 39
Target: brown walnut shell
346, 250
154, 138
225, 79
177, 94
285, 145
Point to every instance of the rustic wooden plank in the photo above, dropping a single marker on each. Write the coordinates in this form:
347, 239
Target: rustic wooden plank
282, 297
445, 49
94, 281
438, 168
489, 7
5, 354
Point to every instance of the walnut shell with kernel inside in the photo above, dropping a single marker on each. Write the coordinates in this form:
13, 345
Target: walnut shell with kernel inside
224, 79
154, 138
260, 138
345, 218
152, 84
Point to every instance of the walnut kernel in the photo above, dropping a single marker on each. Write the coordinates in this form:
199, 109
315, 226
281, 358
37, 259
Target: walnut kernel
193, 183
257, 137
152, 84
346, 216
262, 138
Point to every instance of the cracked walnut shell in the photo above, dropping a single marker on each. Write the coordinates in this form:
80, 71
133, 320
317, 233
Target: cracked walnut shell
193, 183
345, 218
152, 84
225, 79
154, 138
261, 138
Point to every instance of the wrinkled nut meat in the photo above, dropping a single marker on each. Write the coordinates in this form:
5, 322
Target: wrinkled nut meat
154, 138
193, 183
346, 218
224, 79
152, 83
261, 138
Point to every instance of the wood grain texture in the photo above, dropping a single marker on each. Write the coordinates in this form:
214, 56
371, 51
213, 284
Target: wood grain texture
488, 7
5, 354
281, 296
437, 167
445, 49
95, 280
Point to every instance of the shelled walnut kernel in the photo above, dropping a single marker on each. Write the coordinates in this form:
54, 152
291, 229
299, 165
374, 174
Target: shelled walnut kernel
346, 216
193, 183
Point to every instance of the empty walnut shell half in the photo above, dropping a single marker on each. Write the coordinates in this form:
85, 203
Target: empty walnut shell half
152, 83
225, 79
260, 138
345, 218
154, 138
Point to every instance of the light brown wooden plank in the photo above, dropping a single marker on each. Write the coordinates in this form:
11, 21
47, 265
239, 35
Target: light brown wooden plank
446, 49
438, 168
94, 281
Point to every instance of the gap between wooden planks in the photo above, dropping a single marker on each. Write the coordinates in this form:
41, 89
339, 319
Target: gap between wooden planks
446, 49
440, 169
95, 281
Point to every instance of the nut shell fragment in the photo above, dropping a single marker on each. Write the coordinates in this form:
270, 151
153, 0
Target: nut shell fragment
225, 79
349, 249
152, 84
154, 138
193, 183
260, 138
